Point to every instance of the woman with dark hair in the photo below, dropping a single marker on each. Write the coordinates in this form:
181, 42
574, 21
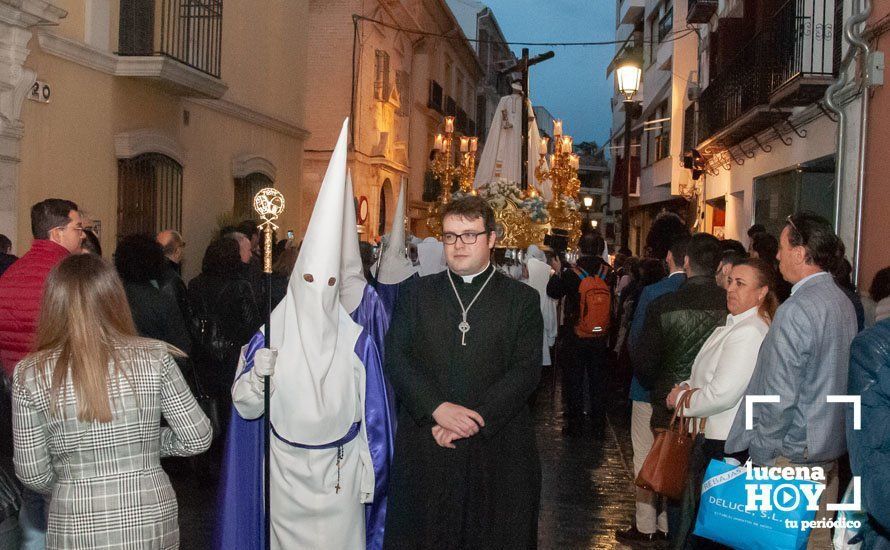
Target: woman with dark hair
87, 411
282, 269
879, 294
642, 273
226, 314
140, 262
766, 247
721, 372
90, 244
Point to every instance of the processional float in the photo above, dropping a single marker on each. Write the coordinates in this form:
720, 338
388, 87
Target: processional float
525, 212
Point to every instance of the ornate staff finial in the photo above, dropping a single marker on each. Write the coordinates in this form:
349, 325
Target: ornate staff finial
269, 204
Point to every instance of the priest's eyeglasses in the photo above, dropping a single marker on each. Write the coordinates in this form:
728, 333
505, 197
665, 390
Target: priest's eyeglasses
466, 238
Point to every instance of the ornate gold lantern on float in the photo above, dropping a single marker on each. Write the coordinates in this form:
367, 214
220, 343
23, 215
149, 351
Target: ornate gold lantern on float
565, 218
445, 169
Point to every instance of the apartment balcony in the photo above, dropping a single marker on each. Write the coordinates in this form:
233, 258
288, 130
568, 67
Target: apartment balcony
809, 40
789, 62
176, 42
701, 11
630, 11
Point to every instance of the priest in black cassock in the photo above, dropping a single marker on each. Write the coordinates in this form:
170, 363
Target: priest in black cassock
463, 354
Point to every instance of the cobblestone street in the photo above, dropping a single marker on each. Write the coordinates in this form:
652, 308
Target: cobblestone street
587, 485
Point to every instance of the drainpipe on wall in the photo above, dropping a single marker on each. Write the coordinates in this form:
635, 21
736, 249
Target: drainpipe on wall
854, 37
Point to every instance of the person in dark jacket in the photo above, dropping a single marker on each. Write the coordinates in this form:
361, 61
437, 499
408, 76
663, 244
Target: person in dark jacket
222, 299
580, 356
6, 258
676, 327
869, 447
139, 260
170, 281
281, 272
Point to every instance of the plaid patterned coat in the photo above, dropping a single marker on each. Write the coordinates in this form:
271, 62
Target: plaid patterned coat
108, 488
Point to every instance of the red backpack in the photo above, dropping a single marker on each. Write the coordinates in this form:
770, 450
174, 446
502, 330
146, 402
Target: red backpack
595, 306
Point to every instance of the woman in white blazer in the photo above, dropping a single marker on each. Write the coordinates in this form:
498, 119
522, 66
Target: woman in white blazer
724, 366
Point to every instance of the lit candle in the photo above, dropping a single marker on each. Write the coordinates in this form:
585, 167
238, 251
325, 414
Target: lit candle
567, 144
464, 144
474, 144
446, 144
449, 124
557, 128
543, 149
552, 160
439, 142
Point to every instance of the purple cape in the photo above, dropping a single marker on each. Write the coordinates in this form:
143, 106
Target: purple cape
241, 483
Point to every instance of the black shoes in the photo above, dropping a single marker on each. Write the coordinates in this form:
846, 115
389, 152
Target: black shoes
632, 537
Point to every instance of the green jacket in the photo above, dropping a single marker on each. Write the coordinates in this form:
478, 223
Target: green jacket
677, 325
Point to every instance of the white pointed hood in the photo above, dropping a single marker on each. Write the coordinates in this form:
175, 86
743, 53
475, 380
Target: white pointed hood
352, 274
394, 266
431, 256
316, 395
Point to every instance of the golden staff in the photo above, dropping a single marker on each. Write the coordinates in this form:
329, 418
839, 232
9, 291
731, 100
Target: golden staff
269, 204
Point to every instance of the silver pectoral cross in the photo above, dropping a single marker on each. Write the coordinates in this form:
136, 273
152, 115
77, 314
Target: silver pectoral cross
464, 328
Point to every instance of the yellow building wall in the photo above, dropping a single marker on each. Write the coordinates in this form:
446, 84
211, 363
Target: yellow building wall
68, 148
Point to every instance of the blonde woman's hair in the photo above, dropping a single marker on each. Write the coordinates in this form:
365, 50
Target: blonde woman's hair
84, 316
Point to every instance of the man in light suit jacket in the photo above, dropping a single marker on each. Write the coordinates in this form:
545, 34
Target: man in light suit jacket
804, 358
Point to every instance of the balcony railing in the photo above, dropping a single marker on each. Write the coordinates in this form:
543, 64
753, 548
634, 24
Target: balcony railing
700, 11
189, 31
808, 40
666, 24
789, 61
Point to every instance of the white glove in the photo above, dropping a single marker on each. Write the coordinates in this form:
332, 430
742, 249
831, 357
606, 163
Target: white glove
263, 365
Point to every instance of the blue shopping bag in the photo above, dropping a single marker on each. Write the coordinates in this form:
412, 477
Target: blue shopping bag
722, 514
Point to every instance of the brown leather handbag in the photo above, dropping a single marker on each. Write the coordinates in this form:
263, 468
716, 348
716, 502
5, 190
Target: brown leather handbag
667, 464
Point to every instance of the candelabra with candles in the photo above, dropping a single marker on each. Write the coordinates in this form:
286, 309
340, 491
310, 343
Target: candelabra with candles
445, 169
563, 175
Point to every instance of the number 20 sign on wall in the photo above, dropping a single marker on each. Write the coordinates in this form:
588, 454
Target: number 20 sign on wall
40, 92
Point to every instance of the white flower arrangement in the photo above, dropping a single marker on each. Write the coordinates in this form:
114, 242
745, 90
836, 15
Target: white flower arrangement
536, 208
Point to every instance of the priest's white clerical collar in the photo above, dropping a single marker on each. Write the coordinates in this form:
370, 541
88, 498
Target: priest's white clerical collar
469, 278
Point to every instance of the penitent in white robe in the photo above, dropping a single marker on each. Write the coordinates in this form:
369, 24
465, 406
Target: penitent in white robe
307, 510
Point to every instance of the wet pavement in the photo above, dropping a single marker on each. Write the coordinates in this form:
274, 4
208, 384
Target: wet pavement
587, 485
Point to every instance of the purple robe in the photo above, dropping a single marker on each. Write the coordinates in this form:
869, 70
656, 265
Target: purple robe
241, 483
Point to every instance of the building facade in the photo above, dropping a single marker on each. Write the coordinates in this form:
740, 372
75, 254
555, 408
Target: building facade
655, 33
747, 114
874, 254
153, 115
397, 86
479, 22
768, 144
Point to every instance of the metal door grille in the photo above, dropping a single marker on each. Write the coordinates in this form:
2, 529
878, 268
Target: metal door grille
149, 195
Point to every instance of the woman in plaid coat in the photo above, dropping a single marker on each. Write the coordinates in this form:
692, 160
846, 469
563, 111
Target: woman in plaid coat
87, 409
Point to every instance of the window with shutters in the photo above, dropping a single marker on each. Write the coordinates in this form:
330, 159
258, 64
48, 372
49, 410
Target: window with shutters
246, 189
149, 195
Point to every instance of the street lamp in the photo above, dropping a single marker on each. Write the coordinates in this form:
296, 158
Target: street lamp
588, 201
629, 74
